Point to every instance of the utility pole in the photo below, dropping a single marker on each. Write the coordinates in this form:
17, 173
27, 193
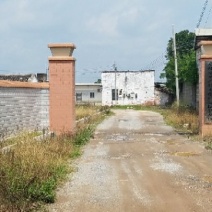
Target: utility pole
115, 69
176, 68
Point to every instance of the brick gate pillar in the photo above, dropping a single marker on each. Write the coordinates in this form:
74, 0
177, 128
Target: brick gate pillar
62, 88
204, 52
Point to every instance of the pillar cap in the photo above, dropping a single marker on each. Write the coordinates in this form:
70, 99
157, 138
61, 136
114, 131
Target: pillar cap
59, 45
204, 42
60, 58
61, 49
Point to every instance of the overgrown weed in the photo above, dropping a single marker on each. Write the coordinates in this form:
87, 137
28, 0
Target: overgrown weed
31, 172
182, 118
208, 142
85, 110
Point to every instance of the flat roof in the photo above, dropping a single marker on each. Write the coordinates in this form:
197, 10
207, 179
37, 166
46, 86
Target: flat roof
18, 84
99, 84
202, 35
141, 71
203, 32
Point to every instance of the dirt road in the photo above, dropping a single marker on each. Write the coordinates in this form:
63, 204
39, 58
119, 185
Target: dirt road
137, 163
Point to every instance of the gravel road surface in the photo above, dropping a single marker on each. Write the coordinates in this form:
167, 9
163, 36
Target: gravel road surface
135, 162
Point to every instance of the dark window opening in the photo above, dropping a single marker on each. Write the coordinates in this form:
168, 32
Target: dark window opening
114, 97
91, 95
79, 96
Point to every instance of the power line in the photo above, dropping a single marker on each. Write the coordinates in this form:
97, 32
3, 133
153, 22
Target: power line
202, 14
156, 63
209, 13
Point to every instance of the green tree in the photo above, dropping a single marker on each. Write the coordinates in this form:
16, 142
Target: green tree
187, 68
98, 81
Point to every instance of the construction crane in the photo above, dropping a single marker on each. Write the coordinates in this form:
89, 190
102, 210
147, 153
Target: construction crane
202, 14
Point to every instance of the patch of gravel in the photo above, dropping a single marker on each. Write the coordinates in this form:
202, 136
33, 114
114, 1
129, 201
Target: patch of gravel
197, 187
162, 162
95, 182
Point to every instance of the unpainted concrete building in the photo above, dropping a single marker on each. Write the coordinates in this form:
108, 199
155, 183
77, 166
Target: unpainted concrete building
128, 87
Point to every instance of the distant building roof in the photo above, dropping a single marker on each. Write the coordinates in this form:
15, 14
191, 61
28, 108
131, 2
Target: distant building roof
86, 84
162, 87
13, 77
113, 71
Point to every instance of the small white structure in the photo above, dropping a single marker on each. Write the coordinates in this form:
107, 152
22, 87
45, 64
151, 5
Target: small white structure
128, 87
88, 92
163, 96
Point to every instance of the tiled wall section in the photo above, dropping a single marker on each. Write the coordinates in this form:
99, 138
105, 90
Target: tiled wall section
23, 109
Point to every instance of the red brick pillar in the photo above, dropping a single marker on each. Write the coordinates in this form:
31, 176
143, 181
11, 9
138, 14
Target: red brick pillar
62, 88
205, 87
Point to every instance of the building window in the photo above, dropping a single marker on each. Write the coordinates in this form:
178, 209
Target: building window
91, 95
114, 97
79, 96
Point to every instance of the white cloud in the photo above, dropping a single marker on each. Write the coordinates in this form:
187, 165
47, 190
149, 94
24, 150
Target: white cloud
110, 22
106, 24
130, 32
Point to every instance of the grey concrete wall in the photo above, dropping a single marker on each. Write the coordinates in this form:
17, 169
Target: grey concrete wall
23, 109
188, 95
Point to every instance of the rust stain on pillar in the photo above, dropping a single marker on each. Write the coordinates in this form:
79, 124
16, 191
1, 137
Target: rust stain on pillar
62, 88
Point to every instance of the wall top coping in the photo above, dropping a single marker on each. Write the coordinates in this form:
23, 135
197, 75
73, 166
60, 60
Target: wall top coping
61, 45
17, 84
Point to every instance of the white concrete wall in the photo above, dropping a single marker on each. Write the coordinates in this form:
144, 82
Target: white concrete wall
86, 89
23, 109
133, 84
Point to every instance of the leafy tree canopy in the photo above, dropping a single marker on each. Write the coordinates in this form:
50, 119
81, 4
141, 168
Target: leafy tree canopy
187, 68
98, 81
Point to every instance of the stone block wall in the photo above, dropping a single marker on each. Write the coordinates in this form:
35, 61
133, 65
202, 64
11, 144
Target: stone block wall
188, 95
23, 108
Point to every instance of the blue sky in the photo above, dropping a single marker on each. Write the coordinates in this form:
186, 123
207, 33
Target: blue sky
131, 33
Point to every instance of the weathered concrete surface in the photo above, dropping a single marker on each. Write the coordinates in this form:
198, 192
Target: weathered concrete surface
137, 163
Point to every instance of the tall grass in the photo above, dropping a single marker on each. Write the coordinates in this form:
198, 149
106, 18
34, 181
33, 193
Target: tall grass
31, 171
182, 118
86, 110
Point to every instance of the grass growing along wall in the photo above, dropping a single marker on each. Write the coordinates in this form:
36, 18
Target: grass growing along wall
182, 118
31, 171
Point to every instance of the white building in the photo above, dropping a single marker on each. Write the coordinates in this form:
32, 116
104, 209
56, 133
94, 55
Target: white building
132, 87
88, 92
